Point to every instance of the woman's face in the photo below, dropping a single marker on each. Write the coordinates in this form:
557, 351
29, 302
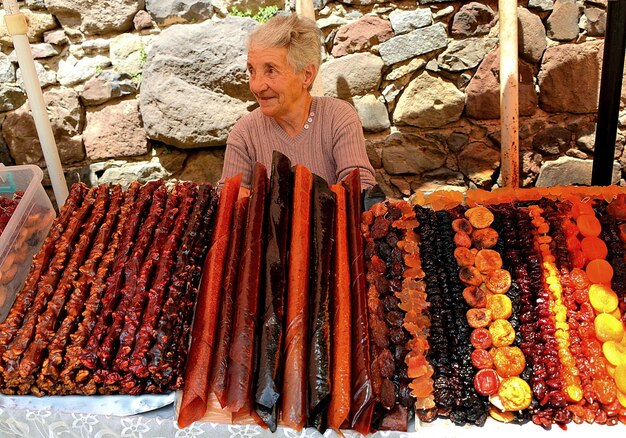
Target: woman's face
275, 84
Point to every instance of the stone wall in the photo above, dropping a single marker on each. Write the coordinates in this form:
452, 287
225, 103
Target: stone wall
142, 89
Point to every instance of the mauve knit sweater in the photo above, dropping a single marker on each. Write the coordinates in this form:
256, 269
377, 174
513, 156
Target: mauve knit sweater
331, 144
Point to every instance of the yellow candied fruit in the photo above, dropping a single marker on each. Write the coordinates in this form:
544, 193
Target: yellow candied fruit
515, 394
602, 298
574, 393
621, 398
614, 352
608, 328
501, 416
552, 279
555, 288
620, 378
502, 333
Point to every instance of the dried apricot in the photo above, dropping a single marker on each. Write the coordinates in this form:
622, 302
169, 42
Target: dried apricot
480, 338
509, 361
462, 224
475, 297
464, 256
485, 238
594, 248
487, 260
470, 276
579, 208
498, 415
498, 281
461, 238
502, 333
614, 352
479, 217
608, 328
481, 359
477, 318
500, 306
599, 271
588, 225
514, 394
486, 382
602, 298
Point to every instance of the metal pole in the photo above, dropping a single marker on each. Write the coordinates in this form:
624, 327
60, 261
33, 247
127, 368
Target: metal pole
509, 95
610, 91
17, 27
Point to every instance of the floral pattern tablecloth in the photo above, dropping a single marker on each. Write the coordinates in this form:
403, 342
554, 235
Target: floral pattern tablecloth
28, 423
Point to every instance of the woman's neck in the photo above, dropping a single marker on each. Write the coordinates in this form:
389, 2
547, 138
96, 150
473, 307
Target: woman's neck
293, 123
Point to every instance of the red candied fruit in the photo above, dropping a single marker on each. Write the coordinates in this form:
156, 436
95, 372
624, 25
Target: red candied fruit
480, 338
481, 359
486, 382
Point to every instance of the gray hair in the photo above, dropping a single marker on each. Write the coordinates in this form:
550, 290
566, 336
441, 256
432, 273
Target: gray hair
300, 36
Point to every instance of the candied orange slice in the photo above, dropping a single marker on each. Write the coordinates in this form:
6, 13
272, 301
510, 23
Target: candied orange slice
594, 248
589, 225
464, 256
502, 332
500, 306
599, 271
514, 394
498, 281
470, 276
509, 361
602, 298
608, 328
479, 217
487, 260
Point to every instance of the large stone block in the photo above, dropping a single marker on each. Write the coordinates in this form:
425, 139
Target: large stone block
531, 35
168, 12
94, 17
194, 84
38, 23
351, 75
407, 153
478, 162
566, 171
361, 35
417, 42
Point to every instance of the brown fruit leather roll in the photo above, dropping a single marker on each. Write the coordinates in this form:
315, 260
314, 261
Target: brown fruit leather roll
268, 375
242, 348
220, 365
339, 406
362, 405
319, 317
294, 393
196, 390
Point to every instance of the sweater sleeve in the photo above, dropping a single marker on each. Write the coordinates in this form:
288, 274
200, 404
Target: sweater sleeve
237, 158
349, 149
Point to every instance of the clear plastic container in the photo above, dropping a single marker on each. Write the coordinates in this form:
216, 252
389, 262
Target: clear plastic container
25, 232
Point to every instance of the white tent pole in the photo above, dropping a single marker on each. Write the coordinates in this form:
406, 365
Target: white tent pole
509, 96
304, 8
17, 27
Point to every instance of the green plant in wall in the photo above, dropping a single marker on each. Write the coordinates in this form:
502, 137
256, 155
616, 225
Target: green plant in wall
264, 13
143, 57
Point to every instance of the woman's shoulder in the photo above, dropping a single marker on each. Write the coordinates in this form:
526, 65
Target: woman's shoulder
340, 111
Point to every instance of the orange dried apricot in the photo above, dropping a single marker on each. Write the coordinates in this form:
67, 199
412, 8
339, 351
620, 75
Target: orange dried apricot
500, 306
470, 276
485, 238
599, 271
508, 361
462, 224
475, 297
461, 238
464, 256
479, 217
498, 281
502, 333
579, 208
487, 260
486, 382
594, 248
588, 225
614, 352
514, 394
477, 318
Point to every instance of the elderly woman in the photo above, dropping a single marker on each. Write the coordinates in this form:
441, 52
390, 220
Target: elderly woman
322, 133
